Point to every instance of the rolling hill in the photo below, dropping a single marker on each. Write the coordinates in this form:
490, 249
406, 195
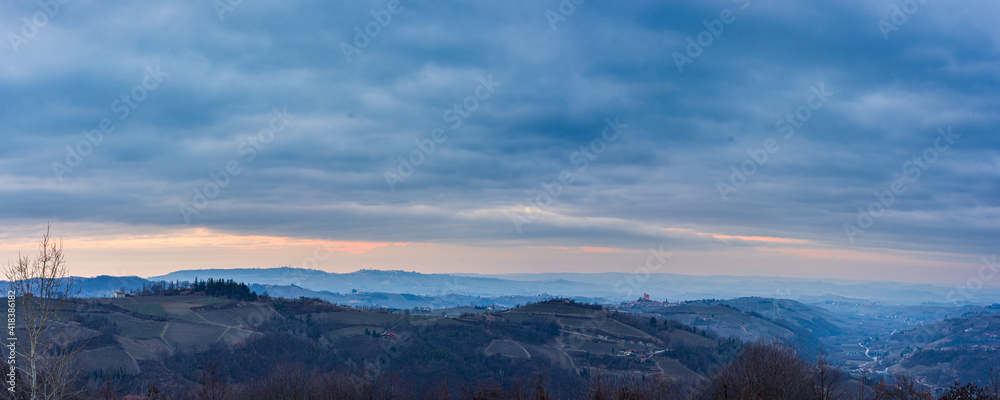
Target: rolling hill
173, 337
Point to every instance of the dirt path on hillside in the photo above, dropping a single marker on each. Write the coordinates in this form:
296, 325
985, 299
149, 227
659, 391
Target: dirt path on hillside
165, 326
223, 334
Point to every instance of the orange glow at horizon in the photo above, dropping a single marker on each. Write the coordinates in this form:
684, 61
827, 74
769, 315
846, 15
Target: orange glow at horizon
602, 250
150, 251
202, 237
756, 238
549, 247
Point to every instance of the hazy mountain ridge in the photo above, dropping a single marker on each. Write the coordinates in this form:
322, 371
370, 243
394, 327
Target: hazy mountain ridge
611, 285
401, 300
391, 282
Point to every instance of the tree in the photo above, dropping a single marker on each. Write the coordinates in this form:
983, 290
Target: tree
154, 393
994, 380
970, 391
46, 360
827, 380
905, 388
764, 371
540, 393
212, 385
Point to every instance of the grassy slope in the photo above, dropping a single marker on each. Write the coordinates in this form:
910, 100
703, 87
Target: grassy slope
149, 325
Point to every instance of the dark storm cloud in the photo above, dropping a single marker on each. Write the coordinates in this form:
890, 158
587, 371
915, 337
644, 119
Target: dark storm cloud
353, 120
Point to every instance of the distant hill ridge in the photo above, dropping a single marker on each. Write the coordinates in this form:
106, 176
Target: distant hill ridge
611, 286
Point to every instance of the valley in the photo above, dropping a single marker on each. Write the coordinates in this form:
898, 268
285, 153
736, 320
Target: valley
174, 335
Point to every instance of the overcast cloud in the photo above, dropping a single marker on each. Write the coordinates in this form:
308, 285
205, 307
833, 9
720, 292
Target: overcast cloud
876, 96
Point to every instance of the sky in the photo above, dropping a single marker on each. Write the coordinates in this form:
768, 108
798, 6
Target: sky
850, 139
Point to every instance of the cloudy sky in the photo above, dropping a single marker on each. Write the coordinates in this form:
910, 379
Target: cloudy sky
742, 137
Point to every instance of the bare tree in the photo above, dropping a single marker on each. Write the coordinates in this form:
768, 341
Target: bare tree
212, 385
994, 381
46, 359
907, 388
828, 379
764, 370
903, 388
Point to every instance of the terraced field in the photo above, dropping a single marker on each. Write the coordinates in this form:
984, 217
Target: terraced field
112, 358
679, 336
605, 326
350, 317
251, 315
151, 325
189, 335
723, 321
507, 348
593, 339
557, 309
584, 338
673, 368
597, 347
355, 330
134, 328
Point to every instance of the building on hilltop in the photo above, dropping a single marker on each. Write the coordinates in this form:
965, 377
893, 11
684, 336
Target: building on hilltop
644, 302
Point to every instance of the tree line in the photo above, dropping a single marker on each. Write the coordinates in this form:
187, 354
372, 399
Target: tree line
224, 288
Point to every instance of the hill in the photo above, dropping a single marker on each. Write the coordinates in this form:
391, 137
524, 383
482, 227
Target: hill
792, 314
942, 352
812, 330
105, 286
174, 338
126, 334
722, 320
177, 337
